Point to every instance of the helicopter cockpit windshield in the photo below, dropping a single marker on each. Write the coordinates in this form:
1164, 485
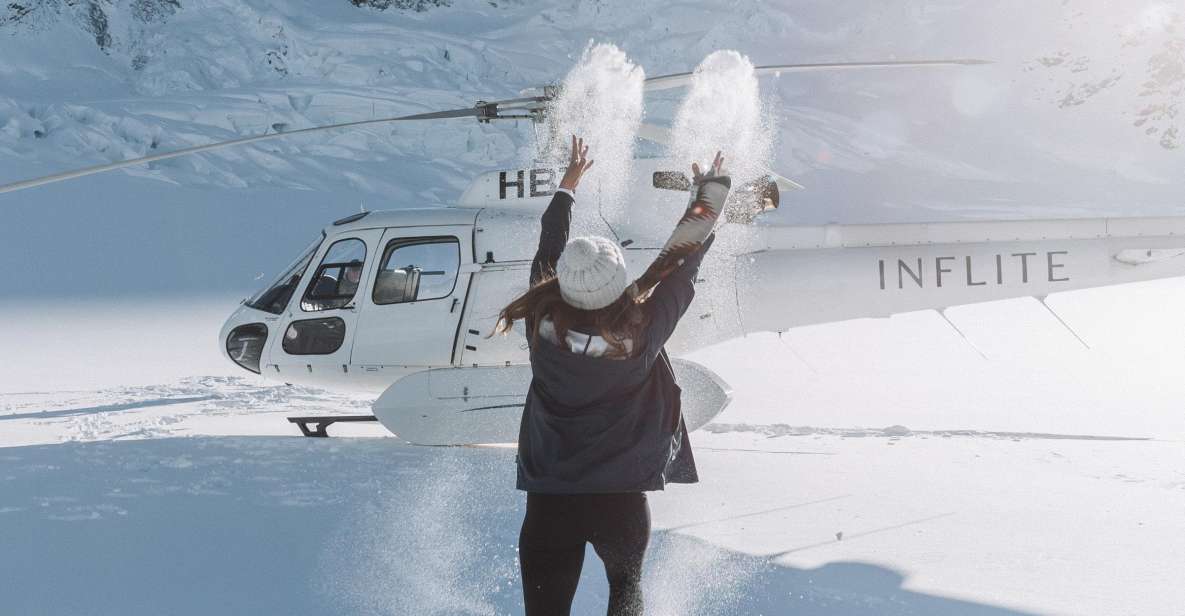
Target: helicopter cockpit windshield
274, 298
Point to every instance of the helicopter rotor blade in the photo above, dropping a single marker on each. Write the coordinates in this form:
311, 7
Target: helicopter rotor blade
480, 111
678, 80
533, 106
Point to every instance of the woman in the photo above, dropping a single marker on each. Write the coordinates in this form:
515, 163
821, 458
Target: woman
601, 424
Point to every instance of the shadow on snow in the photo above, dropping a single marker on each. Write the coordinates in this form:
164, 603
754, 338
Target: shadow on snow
106, 408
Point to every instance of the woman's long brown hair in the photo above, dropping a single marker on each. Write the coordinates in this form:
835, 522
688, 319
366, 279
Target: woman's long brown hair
618, 322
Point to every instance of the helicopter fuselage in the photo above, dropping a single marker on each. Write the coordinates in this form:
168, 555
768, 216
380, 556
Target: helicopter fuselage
386, 294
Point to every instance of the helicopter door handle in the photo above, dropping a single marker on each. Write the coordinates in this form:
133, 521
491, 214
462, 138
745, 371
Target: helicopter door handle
350, 307
454, 305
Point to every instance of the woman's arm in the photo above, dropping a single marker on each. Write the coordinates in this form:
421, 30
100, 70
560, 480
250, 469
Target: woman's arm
694, 227
557, 218
552, 236
672, 297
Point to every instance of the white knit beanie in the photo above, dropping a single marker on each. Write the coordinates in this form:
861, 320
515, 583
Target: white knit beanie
591, 271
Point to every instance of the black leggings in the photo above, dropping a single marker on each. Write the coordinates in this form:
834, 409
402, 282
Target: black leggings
551, 549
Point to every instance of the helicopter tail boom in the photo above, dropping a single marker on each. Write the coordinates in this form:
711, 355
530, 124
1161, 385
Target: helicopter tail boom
808, 275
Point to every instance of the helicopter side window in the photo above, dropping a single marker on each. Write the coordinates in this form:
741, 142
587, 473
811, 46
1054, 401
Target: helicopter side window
417, 270
337, 277
315, 336
274, 298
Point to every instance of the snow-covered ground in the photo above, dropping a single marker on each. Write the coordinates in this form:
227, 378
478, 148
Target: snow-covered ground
931, 525
1047, 479
869, 467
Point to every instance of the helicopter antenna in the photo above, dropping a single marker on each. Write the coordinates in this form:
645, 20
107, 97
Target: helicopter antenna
961, 333
796, 354
535, 133
1059, 318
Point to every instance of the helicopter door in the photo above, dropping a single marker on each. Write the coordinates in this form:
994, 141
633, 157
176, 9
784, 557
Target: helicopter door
318, 330
493, 288
409, 317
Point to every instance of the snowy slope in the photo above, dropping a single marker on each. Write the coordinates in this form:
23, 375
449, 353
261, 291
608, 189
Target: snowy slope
142, 474
892, 145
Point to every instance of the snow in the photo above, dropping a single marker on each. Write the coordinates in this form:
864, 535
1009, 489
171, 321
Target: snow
1038, 495
722, 110
601, 97
286, 524
869, 467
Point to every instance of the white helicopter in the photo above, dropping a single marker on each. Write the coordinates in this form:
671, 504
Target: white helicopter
402, 302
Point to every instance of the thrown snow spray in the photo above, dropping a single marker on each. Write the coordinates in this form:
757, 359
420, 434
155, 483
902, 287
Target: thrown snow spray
723, 111
601, 101
686, 575
433, 543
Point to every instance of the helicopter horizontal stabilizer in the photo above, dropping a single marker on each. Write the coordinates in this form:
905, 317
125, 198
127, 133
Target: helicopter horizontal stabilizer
785, 183
662, 136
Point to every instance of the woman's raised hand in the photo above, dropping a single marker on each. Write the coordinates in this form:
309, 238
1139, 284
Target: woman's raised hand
577, 164
714, 171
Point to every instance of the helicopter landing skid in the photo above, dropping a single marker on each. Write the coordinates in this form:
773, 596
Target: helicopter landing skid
321, 423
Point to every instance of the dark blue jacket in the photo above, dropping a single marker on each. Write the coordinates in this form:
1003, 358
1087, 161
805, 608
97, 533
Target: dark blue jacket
600, 425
